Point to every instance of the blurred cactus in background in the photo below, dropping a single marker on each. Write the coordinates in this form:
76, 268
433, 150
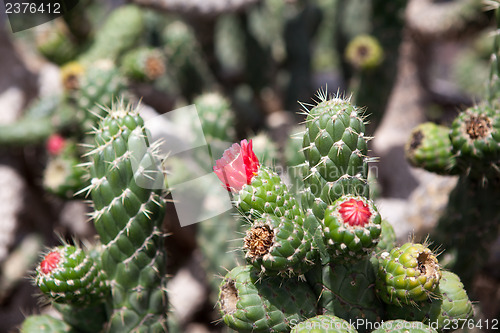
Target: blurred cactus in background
335, 218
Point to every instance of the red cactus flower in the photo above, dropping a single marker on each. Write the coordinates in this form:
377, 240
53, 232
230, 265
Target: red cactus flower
355, 212
237, 166
50, 262
55, 144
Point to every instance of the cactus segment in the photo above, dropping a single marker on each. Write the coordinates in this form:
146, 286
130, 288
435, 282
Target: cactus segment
403, 326
335, 148
217, 119
45, 324
144, 64
351, 227
475, 137
387, 239
277, 246
430, 148
128, 217
324, 324
249, 303
267, 193
99, 86
407, 274
119, 33
68, 275
452, 302
347, 291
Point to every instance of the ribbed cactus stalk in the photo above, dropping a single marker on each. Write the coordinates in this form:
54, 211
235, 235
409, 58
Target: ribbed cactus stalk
128, 218
335, 148
98, 86
250, 303
451, 304
347, 291
408, 274
120, 33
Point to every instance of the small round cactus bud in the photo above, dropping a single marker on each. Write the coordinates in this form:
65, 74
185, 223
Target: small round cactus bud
277, 246
55, 144
352, 227
430, 148
324, 324
68, 275
364, 52
407, 274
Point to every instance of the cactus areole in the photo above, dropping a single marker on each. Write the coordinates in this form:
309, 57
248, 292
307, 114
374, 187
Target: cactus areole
50, 262
355, 212
237, 166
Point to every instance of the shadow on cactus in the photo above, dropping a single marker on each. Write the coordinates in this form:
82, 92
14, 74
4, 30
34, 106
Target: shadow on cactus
326, 253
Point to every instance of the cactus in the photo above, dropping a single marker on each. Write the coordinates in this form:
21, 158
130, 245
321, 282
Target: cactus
123, 280
68, 275
121, 32
334, 240
252, 304
351, 227
430, 148
407, 274
335, 149
144, 64
469, 148
451, 303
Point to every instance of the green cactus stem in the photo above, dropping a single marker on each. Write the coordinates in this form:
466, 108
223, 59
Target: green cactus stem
119, 33
336, 150
45, 324
128, 218
249, 303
